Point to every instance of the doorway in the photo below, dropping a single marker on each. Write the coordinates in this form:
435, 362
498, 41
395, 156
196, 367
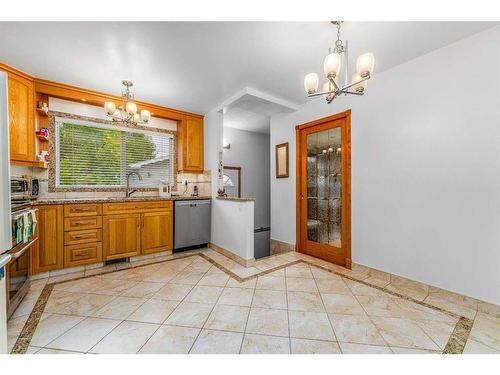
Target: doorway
231, 180
324, 188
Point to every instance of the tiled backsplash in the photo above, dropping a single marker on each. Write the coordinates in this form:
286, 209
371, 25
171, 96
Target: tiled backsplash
202, 180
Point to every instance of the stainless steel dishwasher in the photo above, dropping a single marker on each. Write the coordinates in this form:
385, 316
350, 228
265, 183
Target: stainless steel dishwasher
191, 223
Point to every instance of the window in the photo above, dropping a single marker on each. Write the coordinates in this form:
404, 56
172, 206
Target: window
100, 156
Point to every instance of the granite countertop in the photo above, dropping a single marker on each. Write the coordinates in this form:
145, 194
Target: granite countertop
236, 199
42, 201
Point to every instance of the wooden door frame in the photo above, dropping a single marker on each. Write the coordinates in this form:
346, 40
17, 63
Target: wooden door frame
346, 179
238, 169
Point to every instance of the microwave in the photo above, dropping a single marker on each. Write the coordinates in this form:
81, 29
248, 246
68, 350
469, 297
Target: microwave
24, 188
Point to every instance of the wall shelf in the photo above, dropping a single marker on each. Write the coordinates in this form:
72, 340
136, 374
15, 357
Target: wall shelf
42, 137
40, 164
42, 112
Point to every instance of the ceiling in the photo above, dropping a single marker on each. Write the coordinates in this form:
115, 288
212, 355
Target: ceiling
194, 66
252, 113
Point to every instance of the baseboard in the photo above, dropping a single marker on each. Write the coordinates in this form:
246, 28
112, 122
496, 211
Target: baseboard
280, 247
232, 256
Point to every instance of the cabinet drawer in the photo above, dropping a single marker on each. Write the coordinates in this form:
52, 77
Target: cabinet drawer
75, 237
77, 223
86, 209
77, 255
135, 207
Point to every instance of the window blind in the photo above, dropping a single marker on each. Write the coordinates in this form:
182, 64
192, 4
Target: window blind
91, 155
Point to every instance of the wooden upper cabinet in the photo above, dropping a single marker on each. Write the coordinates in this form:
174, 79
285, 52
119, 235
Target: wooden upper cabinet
121, 236
157, 232
21, 118
50, 252
190, 145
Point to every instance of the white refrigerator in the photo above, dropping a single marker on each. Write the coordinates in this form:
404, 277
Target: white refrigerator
5, 224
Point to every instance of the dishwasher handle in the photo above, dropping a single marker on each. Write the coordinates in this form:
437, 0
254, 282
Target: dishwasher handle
192, 203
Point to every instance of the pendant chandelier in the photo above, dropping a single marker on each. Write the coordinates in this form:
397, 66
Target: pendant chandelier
126, 113
335, 85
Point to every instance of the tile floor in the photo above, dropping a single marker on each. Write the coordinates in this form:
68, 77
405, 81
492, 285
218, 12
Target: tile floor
188, 305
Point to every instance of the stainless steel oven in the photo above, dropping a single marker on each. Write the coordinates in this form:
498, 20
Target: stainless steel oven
24, 240
17, 274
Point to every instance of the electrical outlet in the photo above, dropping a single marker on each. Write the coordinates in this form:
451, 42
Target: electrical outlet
184, 182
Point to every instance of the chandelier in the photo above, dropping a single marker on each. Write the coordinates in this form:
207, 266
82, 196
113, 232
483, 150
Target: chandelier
126, 112
332, 65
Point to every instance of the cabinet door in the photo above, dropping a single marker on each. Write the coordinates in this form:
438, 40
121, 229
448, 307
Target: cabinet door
157, 232
21, 119
49, 255
121, 236
193, 144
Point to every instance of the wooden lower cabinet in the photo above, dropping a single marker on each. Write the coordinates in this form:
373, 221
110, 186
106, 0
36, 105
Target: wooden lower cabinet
67, 240
49, 253
77, 255
121, 236
157, 231
78, 237
79, 223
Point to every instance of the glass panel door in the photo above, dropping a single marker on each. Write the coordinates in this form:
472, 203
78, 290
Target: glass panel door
324, 193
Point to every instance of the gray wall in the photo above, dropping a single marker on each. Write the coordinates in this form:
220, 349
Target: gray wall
250, 151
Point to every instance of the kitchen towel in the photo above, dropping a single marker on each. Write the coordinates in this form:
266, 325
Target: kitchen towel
33, 222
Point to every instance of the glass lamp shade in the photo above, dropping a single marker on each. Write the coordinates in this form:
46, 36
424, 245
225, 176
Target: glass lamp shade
365, 64
137, 117
117, 114
311, 82
331, 65
360, 87
131, 108
145, 115
110, 108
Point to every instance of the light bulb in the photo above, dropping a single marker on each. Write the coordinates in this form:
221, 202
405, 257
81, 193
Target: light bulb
145, 115
109, 107
311, 82
331, 65
359, 87
365, 64
131, 108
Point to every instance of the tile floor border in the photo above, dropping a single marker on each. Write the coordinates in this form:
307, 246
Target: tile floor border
29, 328
24, 338
455, 344
458, 338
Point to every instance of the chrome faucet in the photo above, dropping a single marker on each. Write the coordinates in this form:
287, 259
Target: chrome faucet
129, 192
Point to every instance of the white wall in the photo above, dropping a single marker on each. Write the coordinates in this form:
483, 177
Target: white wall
232, 228
250, 151
425, 168
212, 131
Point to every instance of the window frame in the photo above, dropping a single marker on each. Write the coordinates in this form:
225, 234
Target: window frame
58, 117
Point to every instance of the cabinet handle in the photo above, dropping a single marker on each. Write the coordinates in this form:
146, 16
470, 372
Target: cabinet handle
82, 222
82, 236
81, 209
81, 253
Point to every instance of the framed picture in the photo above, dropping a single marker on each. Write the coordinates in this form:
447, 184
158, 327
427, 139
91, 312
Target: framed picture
282, 160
